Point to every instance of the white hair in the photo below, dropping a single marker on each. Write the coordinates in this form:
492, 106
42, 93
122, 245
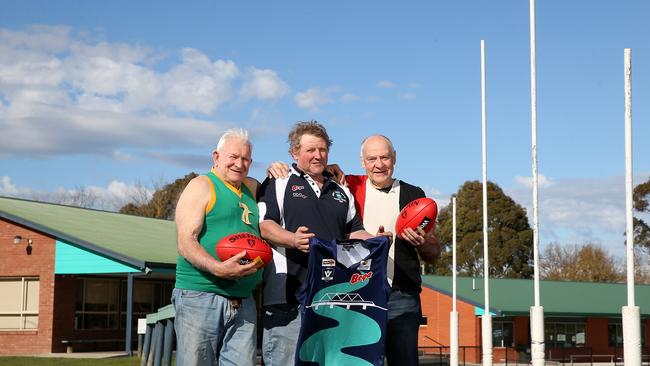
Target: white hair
234, 133
388, 141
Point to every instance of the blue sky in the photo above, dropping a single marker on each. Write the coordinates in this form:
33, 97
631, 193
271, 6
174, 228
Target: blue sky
109, 95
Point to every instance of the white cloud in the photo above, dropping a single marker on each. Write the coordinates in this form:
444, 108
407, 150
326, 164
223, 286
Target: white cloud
575, 211
407, 96
198, 84
348, 97
7, 187
527, 182
312, 98
112, 197
386, 84
263, 85
65, 93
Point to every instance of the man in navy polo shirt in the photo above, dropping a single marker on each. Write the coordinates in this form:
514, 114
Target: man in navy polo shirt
308, 203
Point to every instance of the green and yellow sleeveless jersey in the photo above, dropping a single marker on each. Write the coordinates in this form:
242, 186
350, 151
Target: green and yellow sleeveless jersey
230, 211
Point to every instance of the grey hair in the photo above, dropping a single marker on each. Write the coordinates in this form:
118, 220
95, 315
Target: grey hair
234, 133
388, 141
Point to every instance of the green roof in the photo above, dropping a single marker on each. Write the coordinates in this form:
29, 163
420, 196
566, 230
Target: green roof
509, 297
138, 241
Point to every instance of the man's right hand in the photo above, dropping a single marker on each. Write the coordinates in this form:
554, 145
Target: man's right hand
232, 270
337, 172
301, 239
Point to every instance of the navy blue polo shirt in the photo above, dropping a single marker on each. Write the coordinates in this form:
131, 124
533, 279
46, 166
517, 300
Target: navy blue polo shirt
296, 201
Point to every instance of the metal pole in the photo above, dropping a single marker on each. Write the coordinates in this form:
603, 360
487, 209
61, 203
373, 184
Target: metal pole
168, 342
147, 345
629, 232
536, 311
533, 103
453, 317
631, 313
487, 319
453, 205
129, 314
158, 350
140, 340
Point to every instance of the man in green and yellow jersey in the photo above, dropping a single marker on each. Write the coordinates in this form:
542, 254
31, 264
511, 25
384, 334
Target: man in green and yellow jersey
215, 312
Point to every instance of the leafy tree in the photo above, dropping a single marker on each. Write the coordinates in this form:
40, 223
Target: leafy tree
586, 263
640, 196
510, 238
163, 202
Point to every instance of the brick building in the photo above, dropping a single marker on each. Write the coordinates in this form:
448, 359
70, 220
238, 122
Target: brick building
579, 318
65, 275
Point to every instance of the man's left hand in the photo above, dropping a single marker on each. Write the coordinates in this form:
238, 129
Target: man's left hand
415, 237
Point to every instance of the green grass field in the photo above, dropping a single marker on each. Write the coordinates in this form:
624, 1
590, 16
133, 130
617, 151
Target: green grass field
40, 361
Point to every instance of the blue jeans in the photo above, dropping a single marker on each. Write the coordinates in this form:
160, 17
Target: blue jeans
210, 331
281, 329
404, 313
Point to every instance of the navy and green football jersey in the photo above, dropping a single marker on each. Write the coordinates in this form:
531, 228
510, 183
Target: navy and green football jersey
343, 303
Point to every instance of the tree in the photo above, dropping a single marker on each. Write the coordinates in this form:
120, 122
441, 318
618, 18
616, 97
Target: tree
510, 238
162, 204
640, 196
586, 263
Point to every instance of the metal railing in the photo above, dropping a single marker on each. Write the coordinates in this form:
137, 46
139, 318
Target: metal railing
442, 352
159, 338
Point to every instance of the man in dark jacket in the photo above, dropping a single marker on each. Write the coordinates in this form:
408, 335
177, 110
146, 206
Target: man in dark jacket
379, 198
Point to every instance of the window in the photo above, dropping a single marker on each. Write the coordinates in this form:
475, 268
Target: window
615, 333
101, 302
97, 304
148, 297
564, 334
19, 303
502, 333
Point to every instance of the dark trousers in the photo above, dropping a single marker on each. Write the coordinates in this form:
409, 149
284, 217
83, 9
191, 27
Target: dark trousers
404, 313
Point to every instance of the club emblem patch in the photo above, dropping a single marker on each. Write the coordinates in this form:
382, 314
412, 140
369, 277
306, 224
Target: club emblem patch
328, 274
339, 197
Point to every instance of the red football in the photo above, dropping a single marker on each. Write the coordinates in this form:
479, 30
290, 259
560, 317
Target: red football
421, 212
256, 248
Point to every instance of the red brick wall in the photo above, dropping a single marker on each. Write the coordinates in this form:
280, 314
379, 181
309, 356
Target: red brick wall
15, 262
436, 307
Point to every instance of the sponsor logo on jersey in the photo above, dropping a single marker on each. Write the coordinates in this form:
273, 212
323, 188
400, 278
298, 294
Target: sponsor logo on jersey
365, 265
299, 195
328, 262
360, 277
297, 188
328, 274
340, 197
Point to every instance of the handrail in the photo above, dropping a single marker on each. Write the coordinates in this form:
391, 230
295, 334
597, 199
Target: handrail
433, 340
